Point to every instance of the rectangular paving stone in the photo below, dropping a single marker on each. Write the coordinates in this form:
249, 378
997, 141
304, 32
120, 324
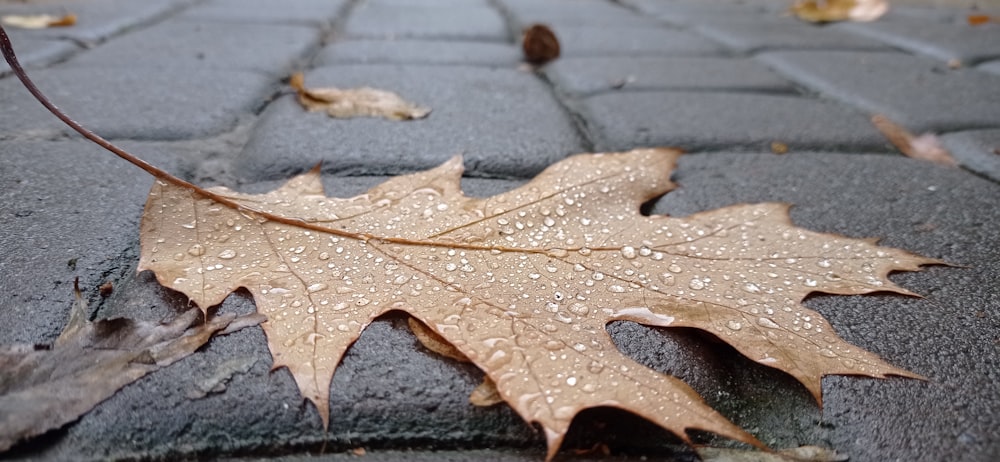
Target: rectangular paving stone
702, 120
162, 104
591, 75
576, 13
505, 122
631, 41
97, 20
321, 12
783, 33
943, 41
393, 22
270, 48
920, 94
684, 13
419, 52
976, 150
68, 209
35, 52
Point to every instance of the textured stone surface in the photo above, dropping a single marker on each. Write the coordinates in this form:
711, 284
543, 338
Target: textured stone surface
698, 120
905, 88
503, 121
133, 104
419, 52
783, 34
35, 52
317, 12
394, 21
631, 41
590, 75
977, 150
690, 12
97, 20
558, 14
206, 45
942, 41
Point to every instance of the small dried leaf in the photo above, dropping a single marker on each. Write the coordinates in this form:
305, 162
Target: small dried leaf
485, 394
434, 342
839, 10
355, 102
44, 389
980, 19
540, 44
925, 147
778, 147
38, 21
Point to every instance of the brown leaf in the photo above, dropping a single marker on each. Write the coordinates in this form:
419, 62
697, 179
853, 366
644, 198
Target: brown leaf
38, 21
355, 102
539, 44
839, 10
980, 19
523, 283
925, 147
43, 389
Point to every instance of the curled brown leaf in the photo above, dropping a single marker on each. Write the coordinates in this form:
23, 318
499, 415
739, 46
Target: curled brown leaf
355, 102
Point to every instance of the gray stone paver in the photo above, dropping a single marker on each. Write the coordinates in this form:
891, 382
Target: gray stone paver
703, 120
128, 104
905, 88
783, 34
944, 41
226, 119
206, 45
503, 121
419, 52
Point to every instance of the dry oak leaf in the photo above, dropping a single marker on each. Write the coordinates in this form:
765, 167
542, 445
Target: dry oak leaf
43, 389
38, 21
924, 147
355, 102
524, 283
839, 10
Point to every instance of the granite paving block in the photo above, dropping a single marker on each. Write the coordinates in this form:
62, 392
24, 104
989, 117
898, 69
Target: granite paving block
419, 52
392, 22
431, 3
68, 210
631, 41
136, 103
205, 45
702, 120
920, 94
783, 33
314, 12
35, 52
97, 20
943, 41
992, 67
556, 14
977, 150
505, 123
591, 75
685, 13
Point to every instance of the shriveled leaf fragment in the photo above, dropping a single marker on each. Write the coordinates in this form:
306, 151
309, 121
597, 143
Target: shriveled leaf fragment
839, 10
799, 454
355, 102
38, 21
43, 389
539, 44
980, 19
524, 283
925, 147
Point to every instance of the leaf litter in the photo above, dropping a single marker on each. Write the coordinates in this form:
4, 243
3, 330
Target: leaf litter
522, 284
355, 102
38, 21
924, 147
821, 11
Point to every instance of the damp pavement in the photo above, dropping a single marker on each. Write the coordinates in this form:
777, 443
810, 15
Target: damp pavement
199, 88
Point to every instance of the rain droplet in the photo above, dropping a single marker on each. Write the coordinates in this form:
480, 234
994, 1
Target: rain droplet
696, 284
197, 250
571, 381
674, 268
667, 279
734, 325
767, 322
628, 252
810, 282
828, 353
752, 288
227, 254
823, 263
595, 367
316, 287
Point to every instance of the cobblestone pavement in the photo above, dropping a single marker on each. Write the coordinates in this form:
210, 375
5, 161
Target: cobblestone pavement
198, 87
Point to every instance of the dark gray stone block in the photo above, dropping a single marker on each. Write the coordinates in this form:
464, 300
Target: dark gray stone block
382, 21
943, 41
505, 122
631, 41
33, 52
97, 20
558, 14
134, 103
685, 13
992, 67
313, 12
907, 89
783, 33
205, 45
419, 52
591, 75
68, 209
977, 150
700, 120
